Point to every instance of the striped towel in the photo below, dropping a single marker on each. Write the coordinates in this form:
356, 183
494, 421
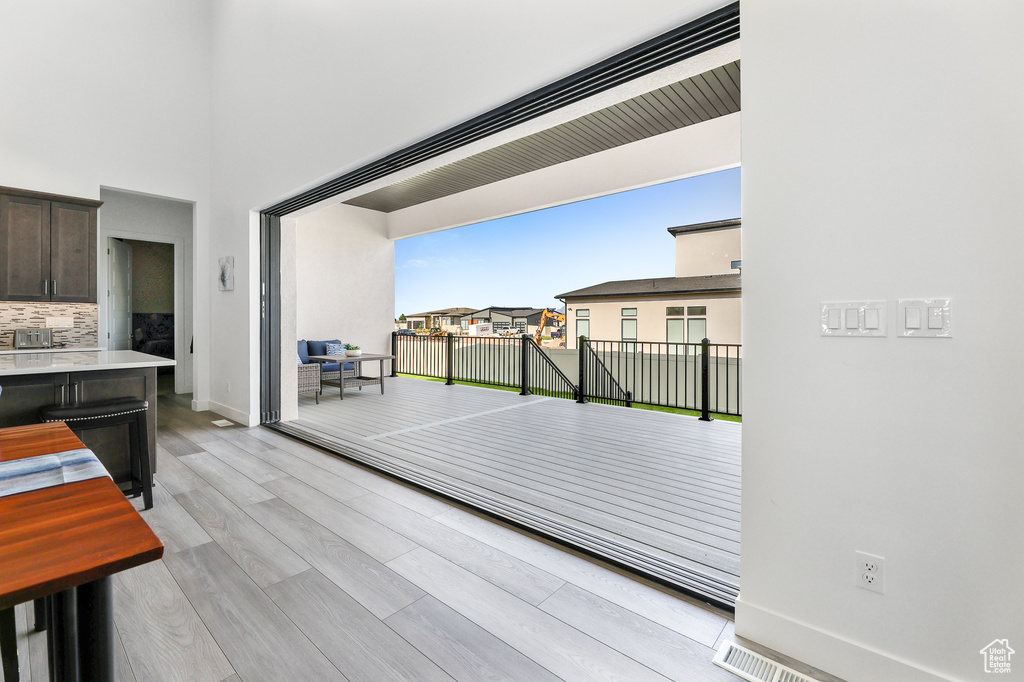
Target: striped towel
81, 465
44, 471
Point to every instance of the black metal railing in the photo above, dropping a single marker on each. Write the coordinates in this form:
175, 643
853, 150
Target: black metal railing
500, 361
543, 376
695, 376
597, 382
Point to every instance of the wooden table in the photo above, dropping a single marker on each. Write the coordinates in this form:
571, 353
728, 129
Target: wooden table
67, 541
357, 380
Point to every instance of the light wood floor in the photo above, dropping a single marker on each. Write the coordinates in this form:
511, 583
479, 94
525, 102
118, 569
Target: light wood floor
285, 563
656, 492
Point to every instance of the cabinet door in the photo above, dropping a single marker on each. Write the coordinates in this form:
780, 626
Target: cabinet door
23, 395
24, 249
72, 253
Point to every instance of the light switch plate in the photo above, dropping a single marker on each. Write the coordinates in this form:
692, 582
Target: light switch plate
924, 318
66, 322
854, 318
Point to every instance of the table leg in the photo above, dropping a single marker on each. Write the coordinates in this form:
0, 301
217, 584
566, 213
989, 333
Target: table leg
341, 378
62, 639
41, 613
382, 377
9, 645
96, 629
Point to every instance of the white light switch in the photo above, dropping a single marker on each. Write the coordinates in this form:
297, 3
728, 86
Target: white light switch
834, 318
871, 318
912, 317
927, 317
853, 318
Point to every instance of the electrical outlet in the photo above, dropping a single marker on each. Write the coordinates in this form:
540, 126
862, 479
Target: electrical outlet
871, 572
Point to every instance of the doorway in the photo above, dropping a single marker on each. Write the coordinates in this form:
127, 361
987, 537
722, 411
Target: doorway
141, 286
159, 233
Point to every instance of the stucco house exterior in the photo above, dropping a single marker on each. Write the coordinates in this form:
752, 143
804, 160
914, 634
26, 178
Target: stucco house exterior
503, 319
702, 300
445, 318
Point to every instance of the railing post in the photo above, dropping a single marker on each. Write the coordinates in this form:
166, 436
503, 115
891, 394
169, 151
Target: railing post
705, 380
394, 351
450, 359
581, 396
629, 398
524, 364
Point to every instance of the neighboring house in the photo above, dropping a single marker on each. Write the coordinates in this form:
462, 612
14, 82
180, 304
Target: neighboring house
702, 300
446, 318
504, 319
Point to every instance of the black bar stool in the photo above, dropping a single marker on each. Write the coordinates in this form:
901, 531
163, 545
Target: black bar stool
131, 411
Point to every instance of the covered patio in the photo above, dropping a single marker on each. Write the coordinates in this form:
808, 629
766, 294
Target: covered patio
658, 493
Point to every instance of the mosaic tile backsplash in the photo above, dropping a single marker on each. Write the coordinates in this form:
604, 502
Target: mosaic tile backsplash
22, 315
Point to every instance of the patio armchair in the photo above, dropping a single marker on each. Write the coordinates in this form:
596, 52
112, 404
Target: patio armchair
309, 380
326, 372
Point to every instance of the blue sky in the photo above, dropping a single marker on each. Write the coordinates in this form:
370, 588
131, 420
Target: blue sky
525, 260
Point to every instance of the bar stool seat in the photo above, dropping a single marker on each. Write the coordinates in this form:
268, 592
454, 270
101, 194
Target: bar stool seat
95, 415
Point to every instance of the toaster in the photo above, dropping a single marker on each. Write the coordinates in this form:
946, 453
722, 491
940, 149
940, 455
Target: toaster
33, 338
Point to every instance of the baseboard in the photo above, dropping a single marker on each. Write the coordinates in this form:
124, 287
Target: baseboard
231, 413
824, 650
200, 405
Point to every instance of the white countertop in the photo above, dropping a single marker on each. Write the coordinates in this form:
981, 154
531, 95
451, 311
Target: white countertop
68, 349
51, 362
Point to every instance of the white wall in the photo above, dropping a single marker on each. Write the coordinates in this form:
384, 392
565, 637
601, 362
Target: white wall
345, 278
882, 158
110, 94
135, 216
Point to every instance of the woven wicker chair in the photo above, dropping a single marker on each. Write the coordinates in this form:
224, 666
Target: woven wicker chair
309, 380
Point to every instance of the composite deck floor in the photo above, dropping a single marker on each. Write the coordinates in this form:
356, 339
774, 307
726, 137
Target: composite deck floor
283, 562
659, 493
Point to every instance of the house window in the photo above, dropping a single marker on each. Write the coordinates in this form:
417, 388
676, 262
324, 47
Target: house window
696, 329
675, 331
697, 310
629, 330
465, 324
583, 328
583, 312
675, 312
629, 312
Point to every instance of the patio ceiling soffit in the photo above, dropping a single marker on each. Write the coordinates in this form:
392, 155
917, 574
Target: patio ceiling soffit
700, 98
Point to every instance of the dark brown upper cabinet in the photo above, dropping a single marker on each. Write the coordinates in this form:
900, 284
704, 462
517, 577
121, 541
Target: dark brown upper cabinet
47, 247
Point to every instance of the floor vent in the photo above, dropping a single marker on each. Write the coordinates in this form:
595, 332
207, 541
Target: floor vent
754, 667
222, 422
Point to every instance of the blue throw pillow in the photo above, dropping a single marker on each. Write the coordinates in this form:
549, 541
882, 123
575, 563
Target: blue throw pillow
303, 352
300, 358
320, 347
335, 348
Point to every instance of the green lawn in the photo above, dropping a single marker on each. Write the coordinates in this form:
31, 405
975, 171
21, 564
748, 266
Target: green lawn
653, 408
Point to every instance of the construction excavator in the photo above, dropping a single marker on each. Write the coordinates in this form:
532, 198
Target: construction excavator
548, 315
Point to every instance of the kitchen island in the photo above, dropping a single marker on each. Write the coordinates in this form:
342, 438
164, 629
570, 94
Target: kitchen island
31, 380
